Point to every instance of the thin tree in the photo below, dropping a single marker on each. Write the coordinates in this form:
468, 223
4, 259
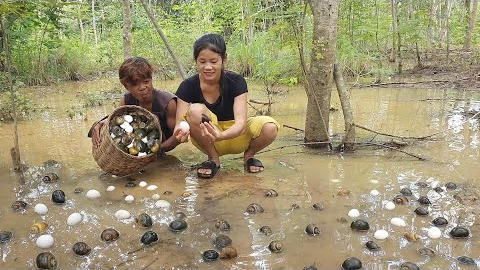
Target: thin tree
94, 23
127, 30
472, 20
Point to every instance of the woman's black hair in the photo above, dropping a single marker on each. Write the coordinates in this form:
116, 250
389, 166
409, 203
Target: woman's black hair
213, 42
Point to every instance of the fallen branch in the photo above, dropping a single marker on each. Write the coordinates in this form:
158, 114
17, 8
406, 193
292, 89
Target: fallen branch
145, 267
151, 245
294, 128
260, 102
411, 83
127, 261
395, 149
386, 134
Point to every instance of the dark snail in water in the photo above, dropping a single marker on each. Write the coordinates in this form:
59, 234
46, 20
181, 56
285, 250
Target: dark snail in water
19, 205
409, 266
222, 225
46, 260
58, 196
109, 235
271, 193
210, 255
255, 208
178, 225
81, 248
265, 230
50, 177
149, 238
144, 221
312, 229
275, 246
352, 264
222, 241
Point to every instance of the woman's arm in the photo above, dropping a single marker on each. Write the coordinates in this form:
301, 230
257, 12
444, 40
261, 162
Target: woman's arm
122, 101
171, 112
240, 115
180, 135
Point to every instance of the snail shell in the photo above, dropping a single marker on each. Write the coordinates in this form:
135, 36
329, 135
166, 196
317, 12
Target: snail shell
422, 184
294, 207
58, 196
78, 190
451, 186
50, 177
46, 260
424, 200
254, 208
130, 184
271, 193
352, 264
19, 205
178, 225
312, 229
39, 227
421, 211
406, 191
425, 251
228, 253
459, 232
400, 199
180, 215
409, 266
205, 118
411, 236
109, 235
81, 248
275, 246
266, 230
5, 236
372, 246
144, 221
360, 225
210, 255
438, 189
222, 241
222, 225
318, 207
310, 267
149, 238
466, 260
440, 222
343, 192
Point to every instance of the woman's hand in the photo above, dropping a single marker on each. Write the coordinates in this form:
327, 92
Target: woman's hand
210, 131
180, 135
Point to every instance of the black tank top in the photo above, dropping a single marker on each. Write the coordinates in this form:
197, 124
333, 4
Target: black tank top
159, 107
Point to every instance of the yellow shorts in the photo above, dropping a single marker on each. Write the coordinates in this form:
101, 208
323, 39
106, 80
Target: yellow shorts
239, 144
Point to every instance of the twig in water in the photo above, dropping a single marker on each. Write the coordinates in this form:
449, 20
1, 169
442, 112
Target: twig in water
127, 261
294, 128
149, 264
142, 247
395, 149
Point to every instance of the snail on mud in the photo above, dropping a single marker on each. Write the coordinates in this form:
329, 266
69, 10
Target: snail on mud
318, 207
275, 246
58, 196
130, 184
372, 246
466, 260
423, 200
180, 215
178, 225
438, 189
46, 260
50, 177
210, 255
352, 264
294, 207
39, 227
149, 238
81, 248
425, 251
440, 222
254, 208
144, 220
409, 266
400, 199
312, 229
271, 193
228, 253
422, 184
411, 236
421, 211
5, 236
450, 186
310, 267
222, 225
109, 235
266, 230
459, 232
222, 241
78, 190
406, 191
360, 225
19, 205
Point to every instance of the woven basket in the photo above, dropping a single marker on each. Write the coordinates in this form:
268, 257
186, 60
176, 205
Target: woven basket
113, 160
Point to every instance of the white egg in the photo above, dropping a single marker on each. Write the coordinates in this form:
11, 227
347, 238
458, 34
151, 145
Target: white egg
142, 184
184, 126
74, 218
353, 213
122, 214
142, 154
380, 235
145, 139
45, 241
110, 188
128, 129
398, 222
41, 209
390, 205
152, 187
124, 125
128, 118
374, 192
162, 204
434, 233
93, 194
155, 196
129, 198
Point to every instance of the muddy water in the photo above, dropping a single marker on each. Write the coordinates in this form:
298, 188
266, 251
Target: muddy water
300, 175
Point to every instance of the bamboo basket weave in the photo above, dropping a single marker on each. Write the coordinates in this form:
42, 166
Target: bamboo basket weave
113, 160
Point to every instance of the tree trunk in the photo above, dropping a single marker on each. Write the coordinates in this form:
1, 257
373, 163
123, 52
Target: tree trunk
94, 23
472, 20
394, 31
348, 140
162, 35
320, 75
448, 4
127, 30
399, 41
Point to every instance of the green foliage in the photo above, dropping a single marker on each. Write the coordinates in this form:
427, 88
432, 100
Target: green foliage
24, 106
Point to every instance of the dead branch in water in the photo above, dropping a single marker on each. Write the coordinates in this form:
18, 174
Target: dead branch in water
389, 135
396, 149
146, 266
127, 261
260, 102
412, 83
294, 128
151, 245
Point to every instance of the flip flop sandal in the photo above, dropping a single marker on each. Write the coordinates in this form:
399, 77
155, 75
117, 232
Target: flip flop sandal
209, 164
253, 162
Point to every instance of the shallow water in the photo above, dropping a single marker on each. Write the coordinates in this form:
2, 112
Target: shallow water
300, 175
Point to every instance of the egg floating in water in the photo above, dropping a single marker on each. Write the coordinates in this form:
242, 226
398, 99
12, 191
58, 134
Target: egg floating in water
434, 233
374, 192
45, 241
74, 219
152, 187
122, 214
155, 196
162, 204
398, 222
92, 194
110, 188
142, 184
390, 205
129, 198
353, 213
41, 209
184, 126
380, 235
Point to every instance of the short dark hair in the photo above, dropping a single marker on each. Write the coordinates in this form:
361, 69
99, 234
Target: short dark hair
213, 42
134, 70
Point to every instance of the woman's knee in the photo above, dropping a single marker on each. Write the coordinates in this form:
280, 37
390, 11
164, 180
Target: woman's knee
194, 113
269, 131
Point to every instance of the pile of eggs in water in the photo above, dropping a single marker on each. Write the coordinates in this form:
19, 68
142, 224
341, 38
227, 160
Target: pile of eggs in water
135, 133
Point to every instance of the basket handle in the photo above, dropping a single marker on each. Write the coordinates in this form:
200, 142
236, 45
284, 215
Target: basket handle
90, 132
